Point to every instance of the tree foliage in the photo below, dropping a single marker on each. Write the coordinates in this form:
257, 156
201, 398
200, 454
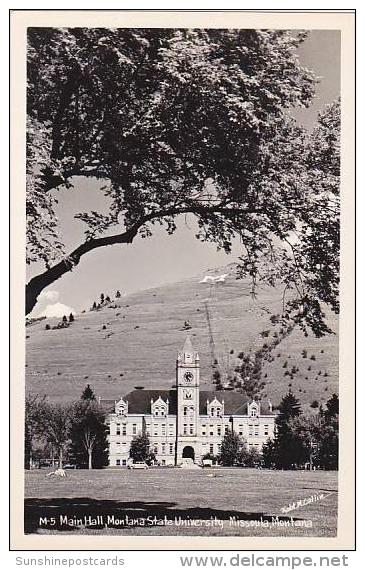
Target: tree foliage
88, 432
140, 448
178, 121
57, 422
304, 439
233, 449
288, 449
88, 393
35, 415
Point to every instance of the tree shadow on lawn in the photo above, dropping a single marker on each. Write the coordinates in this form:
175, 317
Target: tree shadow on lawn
61, 509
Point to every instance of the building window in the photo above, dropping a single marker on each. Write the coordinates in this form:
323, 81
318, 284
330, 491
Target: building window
191, 429
155, 429
159, 411
163, 429
257, 429
211, 448
250, 430
122, 410
219, 430
185, 411
124, 429
211, 430
204, 429
117, 462
171, 446
134, 429
171, 429
155, 448
124, 462
266, 430
226, 429
240, 429
163, 448
253, 412
185, 429
118, 430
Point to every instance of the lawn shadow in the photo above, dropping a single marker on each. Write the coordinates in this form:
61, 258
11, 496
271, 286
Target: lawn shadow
66, 514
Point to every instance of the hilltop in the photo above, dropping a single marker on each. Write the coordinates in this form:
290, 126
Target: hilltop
133, 341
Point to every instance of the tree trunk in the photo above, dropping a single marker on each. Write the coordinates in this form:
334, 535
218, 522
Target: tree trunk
90, 458
60, 458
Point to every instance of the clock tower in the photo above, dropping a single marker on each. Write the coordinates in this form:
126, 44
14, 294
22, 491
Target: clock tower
187, 386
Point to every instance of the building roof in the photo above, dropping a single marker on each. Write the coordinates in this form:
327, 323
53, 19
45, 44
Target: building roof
188, 347
139, 402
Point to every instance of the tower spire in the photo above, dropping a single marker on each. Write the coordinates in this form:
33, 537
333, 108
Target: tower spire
188, 347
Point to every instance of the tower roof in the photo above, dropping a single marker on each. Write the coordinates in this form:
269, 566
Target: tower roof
188, 347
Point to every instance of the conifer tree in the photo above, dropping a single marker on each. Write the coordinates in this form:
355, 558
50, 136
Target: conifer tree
232, 449
88, 393
332, 407
140, 448
289, 448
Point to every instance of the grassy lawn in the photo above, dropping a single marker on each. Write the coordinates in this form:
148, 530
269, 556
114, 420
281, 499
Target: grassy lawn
216, 502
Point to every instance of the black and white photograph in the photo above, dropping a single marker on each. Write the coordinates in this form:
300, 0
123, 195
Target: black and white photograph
183, 196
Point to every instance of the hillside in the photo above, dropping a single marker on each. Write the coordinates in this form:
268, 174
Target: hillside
134, 341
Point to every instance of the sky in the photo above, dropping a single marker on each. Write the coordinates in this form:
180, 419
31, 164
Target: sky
161, 258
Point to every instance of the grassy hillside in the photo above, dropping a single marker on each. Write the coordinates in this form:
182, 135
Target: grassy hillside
134, 341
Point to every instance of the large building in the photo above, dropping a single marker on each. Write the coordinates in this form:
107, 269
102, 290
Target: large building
185, 422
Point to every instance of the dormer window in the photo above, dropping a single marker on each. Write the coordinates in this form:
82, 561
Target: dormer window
121, 408
253, 410
159, 412
215, 409
159, 408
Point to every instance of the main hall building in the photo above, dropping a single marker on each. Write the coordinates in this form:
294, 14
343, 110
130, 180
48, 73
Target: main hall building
185, 422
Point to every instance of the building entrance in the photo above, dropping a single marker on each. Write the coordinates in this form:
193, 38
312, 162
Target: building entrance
188, 452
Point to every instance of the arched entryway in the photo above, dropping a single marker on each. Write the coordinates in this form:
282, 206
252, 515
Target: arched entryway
188, 452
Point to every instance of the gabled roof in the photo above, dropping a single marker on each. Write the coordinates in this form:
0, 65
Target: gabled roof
139, 402
159, 401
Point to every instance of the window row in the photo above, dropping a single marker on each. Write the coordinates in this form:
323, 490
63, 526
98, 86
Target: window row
163, 429
151, 429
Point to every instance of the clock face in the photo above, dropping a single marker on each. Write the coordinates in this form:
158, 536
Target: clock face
188, 377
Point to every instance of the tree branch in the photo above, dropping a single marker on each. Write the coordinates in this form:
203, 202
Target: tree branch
36, 285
